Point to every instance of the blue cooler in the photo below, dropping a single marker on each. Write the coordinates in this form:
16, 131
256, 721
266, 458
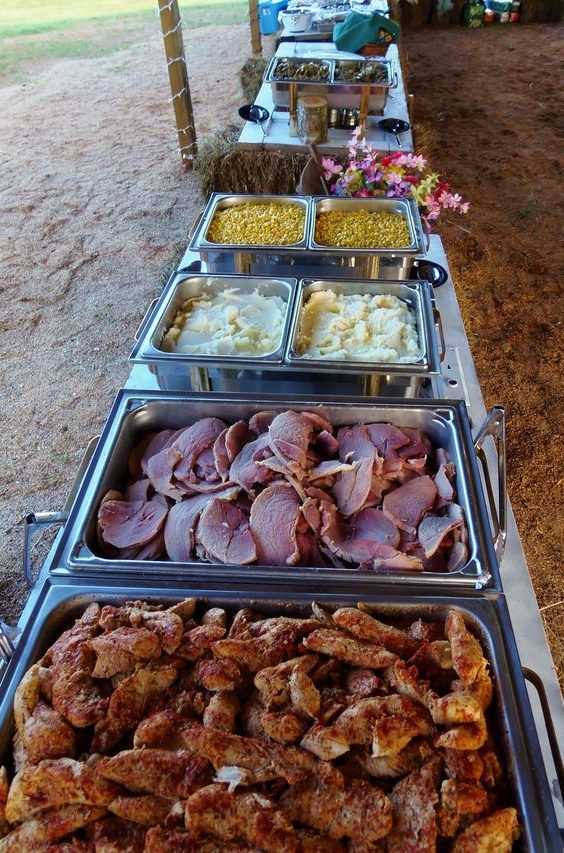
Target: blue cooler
268, 15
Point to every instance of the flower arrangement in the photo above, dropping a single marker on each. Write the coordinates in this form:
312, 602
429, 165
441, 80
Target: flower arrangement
399, 175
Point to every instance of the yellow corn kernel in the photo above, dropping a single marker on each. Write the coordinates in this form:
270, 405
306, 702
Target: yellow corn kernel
361, 229
258, 224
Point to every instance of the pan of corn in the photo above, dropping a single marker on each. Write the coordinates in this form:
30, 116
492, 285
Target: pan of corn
253, 221
353, 226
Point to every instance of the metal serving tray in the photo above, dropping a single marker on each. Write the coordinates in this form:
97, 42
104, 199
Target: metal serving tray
159, 319
136, 413
220, 201
61, 602
417, 295
338, 93
400, 206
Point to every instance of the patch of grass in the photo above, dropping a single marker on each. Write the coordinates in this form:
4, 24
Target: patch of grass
104, 312
530, 211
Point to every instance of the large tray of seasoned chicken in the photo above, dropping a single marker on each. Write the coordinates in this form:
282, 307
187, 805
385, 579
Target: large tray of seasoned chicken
235, 723
283, 489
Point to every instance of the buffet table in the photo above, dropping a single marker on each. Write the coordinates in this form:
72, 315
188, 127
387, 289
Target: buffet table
458, 380
277, 132
322, 26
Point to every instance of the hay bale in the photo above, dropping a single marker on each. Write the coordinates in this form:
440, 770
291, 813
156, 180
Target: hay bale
250, 77
223, 167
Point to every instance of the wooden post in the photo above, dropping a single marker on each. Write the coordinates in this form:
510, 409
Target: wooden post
255, 28
171, 27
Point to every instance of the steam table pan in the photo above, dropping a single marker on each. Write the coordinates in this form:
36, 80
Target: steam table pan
134, 414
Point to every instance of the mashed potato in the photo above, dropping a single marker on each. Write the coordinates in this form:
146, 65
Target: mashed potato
230, 322
358, 327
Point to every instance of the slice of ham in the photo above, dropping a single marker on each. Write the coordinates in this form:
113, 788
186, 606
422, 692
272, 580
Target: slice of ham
369, 526
326, 444
318, 421
433, 529
458, 557
160, 471
245, 471
260, 422
386, 437
388, 558
181, 523
352, 487
158, 442
354, 444
419, 444
444, 485
137, 491
220, 456
237, 436
223, 532
328, 468
192, 442
125, 524
407, 505
288, 436
274, 517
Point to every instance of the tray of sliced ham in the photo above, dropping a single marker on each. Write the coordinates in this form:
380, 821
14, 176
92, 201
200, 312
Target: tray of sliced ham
285, 490
132, 718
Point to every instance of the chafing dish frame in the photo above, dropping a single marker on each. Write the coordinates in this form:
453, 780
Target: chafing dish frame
220, 201
136, 413
420, 302
160, 317
60, 602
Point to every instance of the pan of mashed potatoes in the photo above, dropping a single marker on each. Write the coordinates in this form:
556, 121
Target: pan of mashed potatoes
379, 325
218, 321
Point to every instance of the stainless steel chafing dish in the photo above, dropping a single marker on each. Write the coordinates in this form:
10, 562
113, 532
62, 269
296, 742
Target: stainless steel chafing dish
420, 303
149, 336
337, 92
308, 259
183, 372
60, 602
135, 414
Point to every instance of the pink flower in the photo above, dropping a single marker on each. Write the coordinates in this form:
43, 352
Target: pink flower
330, 167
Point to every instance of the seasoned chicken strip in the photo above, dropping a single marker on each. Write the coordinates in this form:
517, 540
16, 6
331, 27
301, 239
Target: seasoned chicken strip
459, 799
463, 766
215, 616
56, 782
4, 786
493, 834
469, 736
127, 704
354, 652
467, 655
74, 693
273, 682
461, 707
362, 812
49, 826
145, 809
409, 758
120, 650
415, 799
221, 711
161, 729
114, 835
148, 771
366, 627
250, 817
404, 680
159, 840
304, 694
197, 641
284, 726
45, 735
218, 675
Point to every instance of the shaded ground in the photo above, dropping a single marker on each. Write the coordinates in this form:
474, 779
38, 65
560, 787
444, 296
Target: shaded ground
491, 117
95, 211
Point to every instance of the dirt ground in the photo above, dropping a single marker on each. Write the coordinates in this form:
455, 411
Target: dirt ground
95, 212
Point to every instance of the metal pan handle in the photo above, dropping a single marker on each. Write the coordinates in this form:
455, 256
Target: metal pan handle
494, 425
534, 678
396, 81
33, 520
439, 324
146, 319
194, 226
6, 644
